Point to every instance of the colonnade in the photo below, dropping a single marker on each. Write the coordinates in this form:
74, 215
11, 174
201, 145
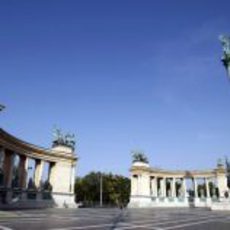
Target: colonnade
17, 182
150, 186
159, 186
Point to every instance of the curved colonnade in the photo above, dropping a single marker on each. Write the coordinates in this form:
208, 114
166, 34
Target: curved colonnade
151, 187
21, 187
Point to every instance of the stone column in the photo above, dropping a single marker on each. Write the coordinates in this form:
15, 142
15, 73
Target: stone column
23, 171
2, 155
72, 179
8, 174
144, 182
138, 184
162, 186
38, 172
207, 187
184, 187
8, 168
165, 180
154, 186
173, 187
166, 192
134, 181
222, 182
195, 188
52, 172
208, 197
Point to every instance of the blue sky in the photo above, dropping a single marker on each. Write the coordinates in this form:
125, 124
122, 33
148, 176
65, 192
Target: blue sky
121, 75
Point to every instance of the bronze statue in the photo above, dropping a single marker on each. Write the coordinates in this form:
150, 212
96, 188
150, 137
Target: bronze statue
61, 139
225, 41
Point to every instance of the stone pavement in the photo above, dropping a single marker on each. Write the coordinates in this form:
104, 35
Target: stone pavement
95, 219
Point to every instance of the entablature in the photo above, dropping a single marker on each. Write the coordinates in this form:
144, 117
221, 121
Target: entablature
8, 141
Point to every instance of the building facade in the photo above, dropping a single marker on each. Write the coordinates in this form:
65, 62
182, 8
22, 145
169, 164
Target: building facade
22, 170
152, 187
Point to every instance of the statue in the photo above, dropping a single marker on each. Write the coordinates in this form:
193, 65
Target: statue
225, 41
70, 140
58, 137
2, 107
220, 163
139, 156
66, 140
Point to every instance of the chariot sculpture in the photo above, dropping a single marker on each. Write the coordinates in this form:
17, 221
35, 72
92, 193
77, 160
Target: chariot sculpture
61, 139
225, 41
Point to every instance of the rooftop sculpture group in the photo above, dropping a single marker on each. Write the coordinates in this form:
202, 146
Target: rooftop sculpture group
139, 156
61, 139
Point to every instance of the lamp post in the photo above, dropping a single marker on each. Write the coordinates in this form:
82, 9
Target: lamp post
101, 190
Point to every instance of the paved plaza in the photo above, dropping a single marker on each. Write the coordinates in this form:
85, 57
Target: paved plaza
156, 219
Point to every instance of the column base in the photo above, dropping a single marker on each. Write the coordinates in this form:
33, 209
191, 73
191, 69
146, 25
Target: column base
9, 195
208, 201
222, 205
64, 200
202, 202
140, 202
151, 202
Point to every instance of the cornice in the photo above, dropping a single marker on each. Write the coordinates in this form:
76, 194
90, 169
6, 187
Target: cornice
15, 144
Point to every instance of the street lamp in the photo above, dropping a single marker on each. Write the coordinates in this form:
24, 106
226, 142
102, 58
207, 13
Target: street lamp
101, 189
225, 41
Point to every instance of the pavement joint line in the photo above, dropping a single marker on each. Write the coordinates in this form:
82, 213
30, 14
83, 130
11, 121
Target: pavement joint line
139, 226
152, 220
187, 221
83, 227
153, 228
170, 220
189, 224
5, 228
7, 214
223, 221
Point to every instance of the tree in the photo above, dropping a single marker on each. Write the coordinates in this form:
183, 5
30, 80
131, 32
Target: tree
116, 189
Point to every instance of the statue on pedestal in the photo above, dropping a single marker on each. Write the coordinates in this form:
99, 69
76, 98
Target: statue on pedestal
139, 156
65, 140
225, 41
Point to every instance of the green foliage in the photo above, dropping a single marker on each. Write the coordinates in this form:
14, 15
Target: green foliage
116, 189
